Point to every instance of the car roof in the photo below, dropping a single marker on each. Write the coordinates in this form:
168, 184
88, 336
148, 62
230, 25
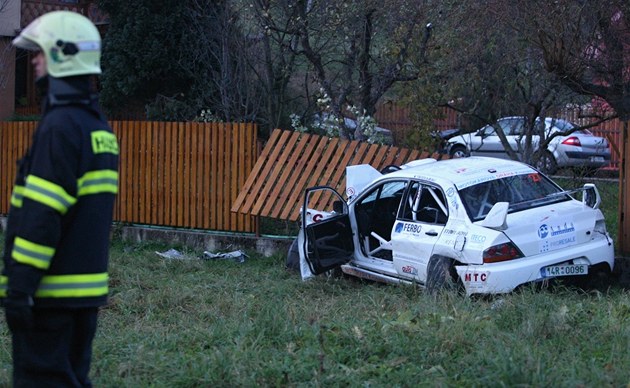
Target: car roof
463, 172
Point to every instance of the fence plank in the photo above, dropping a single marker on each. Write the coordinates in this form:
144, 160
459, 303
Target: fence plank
292, 193
196, 160
292, 164
276, 162
255, 180
234, 169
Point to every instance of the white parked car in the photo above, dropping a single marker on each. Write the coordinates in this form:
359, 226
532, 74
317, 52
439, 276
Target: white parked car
485, 225
580, 149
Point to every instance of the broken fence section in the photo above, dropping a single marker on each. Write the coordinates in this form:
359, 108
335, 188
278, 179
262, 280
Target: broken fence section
292, 161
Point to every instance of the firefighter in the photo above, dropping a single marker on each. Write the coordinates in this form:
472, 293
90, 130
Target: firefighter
56, 245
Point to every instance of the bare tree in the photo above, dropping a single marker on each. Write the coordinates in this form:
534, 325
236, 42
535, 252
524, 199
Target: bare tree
356, 50
591, 54
487, 68
272, 61
220, 56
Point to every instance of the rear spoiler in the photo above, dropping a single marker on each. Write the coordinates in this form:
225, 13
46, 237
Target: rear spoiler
590, 195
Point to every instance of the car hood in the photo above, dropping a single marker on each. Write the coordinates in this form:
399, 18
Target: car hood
552, 227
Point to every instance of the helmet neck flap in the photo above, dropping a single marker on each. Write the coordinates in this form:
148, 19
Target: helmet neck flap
66, 90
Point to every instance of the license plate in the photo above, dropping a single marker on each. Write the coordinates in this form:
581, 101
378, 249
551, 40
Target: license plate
565, 270
598, 159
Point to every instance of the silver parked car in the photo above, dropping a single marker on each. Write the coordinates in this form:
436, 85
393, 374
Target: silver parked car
580, 149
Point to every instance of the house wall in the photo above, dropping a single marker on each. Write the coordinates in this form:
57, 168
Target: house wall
7, 78
9, 17
9, 24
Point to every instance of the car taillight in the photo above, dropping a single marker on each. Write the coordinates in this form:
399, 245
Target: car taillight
572, 141
501, 252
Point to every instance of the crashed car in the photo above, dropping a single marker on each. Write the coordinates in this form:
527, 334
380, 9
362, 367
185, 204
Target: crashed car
481, 225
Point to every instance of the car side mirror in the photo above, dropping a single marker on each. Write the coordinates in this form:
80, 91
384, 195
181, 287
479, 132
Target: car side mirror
590, 196
338, 207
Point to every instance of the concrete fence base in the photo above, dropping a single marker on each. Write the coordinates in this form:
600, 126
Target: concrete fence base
198, 240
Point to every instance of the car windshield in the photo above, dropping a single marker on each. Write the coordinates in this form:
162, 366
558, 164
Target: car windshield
521, 191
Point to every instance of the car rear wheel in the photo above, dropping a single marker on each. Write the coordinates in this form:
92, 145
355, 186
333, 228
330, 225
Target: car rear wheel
441, 275
459, 151
546, 163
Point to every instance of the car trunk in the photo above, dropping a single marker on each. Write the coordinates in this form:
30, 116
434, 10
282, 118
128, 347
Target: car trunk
553, 227
592, 143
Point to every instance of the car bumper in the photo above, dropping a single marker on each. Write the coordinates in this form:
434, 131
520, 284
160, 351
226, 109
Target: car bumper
498, 278
584, 159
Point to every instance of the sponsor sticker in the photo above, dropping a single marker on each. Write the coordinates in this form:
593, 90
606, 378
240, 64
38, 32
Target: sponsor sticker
410, 269
425, 178
408, 228
563, 229
486, 176
477, 239
476, 277
556, 235
543, 231
455, 232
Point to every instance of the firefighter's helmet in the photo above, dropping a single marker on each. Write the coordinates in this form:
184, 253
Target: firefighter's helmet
70, 42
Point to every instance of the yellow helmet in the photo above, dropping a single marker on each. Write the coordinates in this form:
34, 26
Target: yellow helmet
70, 42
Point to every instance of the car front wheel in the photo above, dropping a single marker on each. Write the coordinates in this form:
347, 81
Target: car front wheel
459, 151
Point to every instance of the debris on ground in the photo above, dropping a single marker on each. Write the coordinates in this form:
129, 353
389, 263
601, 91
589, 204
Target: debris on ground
237, 256
171, 254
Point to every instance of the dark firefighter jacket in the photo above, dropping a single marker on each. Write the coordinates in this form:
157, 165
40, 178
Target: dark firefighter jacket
57, 236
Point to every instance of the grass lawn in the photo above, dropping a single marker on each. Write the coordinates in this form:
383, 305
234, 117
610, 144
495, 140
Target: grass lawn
190, 323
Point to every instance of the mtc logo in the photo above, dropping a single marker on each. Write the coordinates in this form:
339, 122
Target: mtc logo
475, 277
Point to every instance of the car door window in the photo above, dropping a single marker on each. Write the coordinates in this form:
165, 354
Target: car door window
488, 130
424, 203
376, 213
512, 127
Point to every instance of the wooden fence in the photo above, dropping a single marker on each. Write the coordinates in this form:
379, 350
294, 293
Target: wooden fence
293, 161
171, 174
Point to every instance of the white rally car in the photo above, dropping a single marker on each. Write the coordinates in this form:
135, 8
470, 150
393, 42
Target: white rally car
485, 224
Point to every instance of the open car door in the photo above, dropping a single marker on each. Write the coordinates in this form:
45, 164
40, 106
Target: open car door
327, 230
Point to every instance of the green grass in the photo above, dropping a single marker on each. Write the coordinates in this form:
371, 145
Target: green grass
190, 323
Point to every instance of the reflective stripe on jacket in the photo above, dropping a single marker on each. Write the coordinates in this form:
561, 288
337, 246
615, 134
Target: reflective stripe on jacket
66, 286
